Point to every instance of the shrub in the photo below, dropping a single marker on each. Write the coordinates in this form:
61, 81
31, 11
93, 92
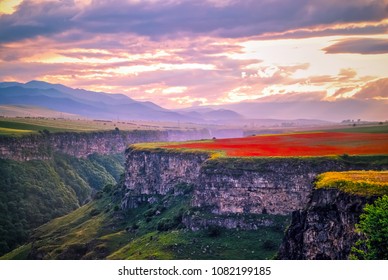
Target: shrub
269, 245
373, 226
167, 224
94, 212
214, 231
98, 195
108, 188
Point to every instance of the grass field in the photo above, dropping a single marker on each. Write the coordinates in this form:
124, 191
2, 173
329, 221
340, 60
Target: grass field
376, 128
22, 126
366, 183
294, 144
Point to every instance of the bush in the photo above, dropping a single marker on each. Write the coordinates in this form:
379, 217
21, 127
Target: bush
373, 226
98, 195
94, 212
214, 231
183, 188
108, 188
167, 224
269, 245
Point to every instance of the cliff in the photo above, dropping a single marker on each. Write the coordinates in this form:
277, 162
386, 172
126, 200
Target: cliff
153, 173
42, 146
228, 185
259, 186
325, 228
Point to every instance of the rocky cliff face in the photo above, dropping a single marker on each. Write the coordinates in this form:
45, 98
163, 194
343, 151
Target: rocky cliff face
41, 146
155, 172
222, 186
325, 229
273, 186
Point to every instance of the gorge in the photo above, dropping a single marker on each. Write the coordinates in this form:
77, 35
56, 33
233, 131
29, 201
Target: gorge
186, 196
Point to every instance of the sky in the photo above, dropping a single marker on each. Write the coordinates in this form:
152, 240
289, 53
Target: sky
180, 53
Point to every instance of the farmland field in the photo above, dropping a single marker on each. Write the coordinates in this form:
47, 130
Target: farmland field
296, 144
22, 126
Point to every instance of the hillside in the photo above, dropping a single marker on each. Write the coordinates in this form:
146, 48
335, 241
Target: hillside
101, 230
171, 221
45, 175
34, 192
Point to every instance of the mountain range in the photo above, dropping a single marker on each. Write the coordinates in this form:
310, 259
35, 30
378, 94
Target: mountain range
100, 105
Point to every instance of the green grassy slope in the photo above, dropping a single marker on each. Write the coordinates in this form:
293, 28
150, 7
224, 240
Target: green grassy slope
20, 126
100, 230
34, 192
383, 128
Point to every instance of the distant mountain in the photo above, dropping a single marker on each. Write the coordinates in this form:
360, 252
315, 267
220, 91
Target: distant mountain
98, 105
209, 114
81, 93
372, 110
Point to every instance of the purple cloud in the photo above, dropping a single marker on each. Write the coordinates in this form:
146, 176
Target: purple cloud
360, 46
160, 19
374, 90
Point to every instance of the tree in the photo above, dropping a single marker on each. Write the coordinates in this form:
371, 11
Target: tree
373, 226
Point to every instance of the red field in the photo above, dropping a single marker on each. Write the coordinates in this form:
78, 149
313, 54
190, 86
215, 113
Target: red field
304, 144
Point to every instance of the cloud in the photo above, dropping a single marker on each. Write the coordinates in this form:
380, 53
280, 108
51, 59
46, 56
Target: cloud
360, 46
160, 19
33, 19
191, 52
347, 73
295, 97
330, 29
374, 90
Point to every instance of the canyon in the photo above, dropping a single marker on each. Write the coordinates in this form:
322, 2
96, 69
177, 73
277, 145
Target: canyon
247, 194
232, 189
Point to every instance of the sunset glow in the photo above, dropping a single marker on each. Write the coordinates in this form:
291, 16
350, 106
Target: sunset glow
183, 53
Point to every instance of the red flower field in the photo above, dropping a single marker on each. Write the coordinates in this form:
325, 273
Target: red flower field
301, 144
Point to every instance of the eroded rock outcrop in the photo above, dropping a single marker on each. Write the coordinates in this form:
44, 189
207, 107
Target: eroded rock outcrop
41, 146
325, 229
227, 185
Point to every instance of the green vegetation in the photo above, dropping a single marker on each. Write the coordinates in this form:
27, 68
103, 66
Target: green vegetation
27, 125
163, 146
11, 131
373, 226
34, 192
100, 229
15, 128
365, 183
383, 128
